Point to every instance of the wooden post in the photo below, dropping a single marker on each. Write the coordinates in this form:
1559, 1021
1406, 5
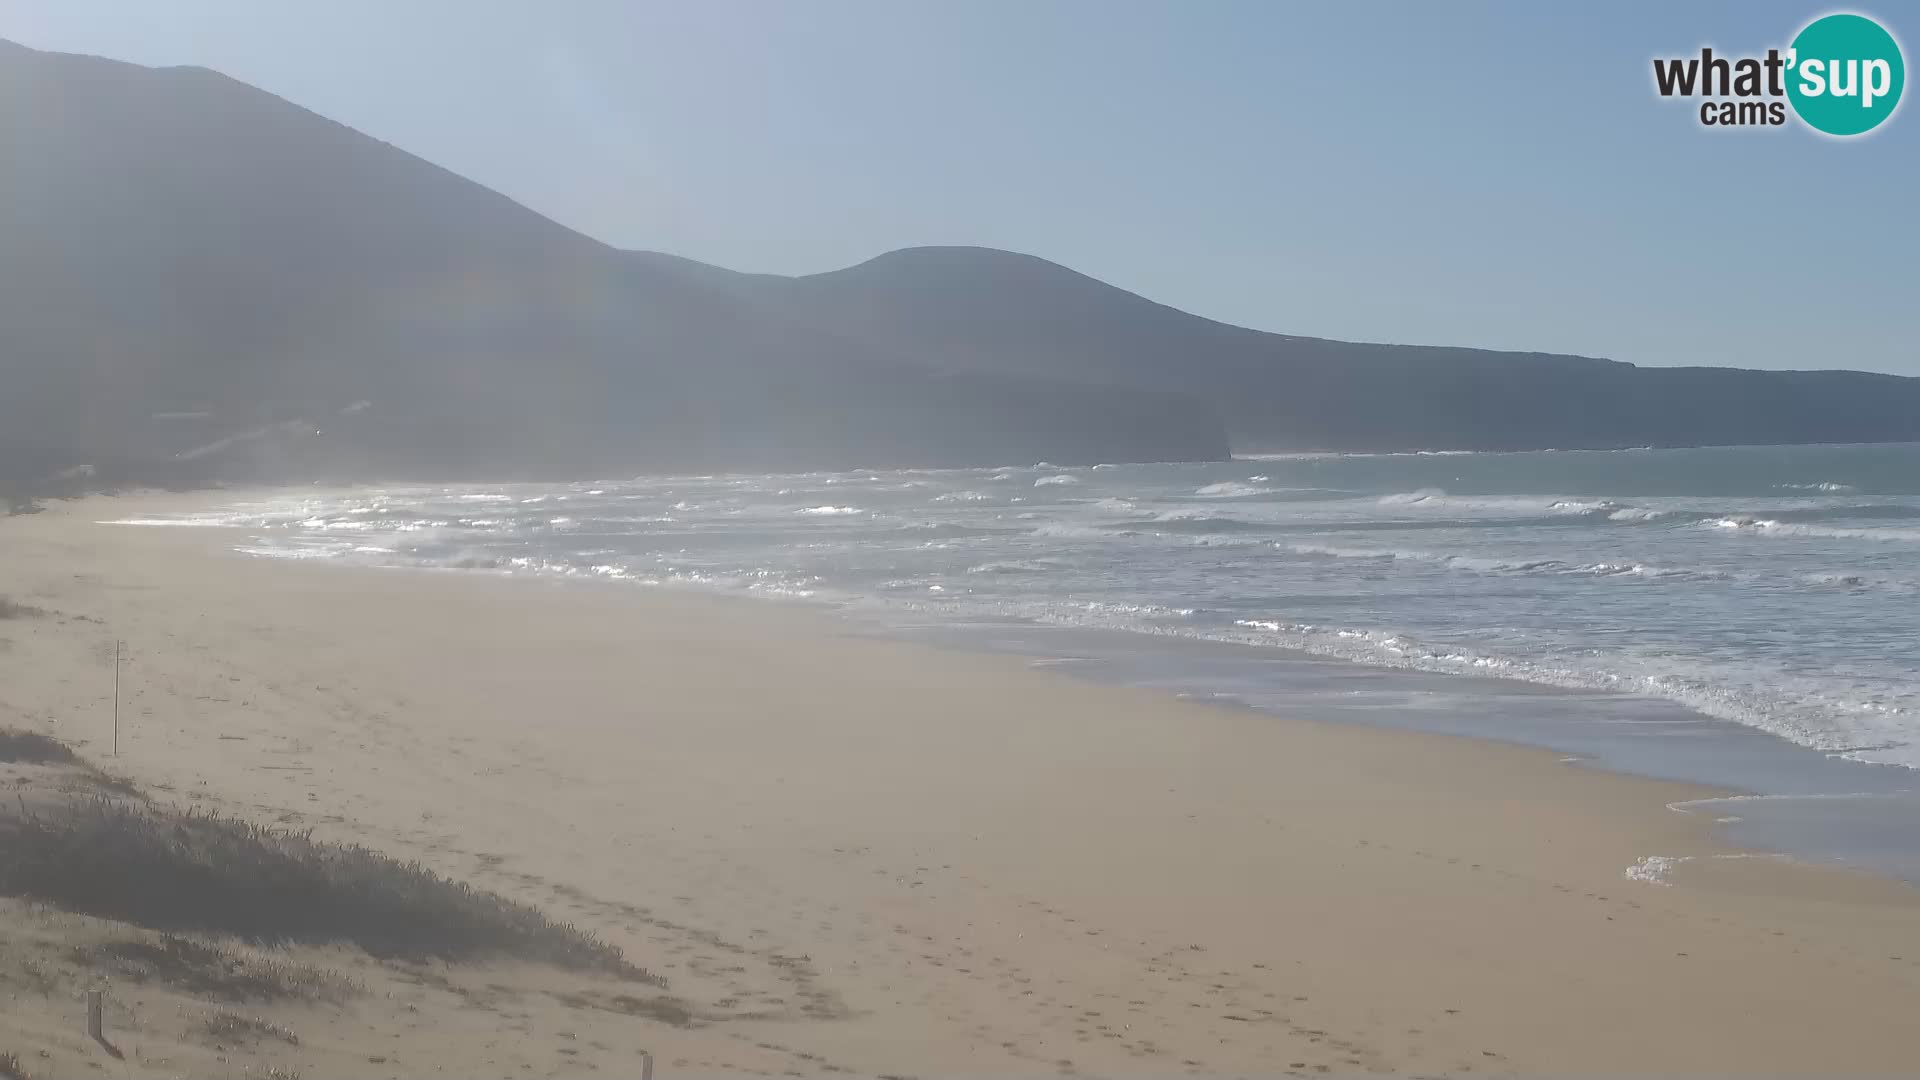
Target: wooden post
94, 1000
646, 1066
116, 697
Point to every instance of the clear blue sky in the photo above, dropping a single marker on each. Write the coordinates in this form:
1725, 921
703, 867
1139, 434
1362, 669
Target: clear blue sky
1481, 174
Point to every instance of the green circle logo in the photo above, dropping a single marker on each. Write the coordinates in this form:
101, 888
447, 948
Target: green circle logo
1845, 74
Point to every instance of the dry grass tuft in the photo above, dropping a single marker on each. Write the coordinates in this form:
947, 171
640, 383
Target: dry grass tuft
231, 1027
11, 1069
664, 1009
31, 748
171, 871
207, 970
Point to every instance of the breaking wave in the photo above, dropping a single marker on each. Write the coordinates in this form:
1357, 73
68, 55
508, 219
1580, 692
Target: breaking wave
1489, 565
1759, 526
1232, 489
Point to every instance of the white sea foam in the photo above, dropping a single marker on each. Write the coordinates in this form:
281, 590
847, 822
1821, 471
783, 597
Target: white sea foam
829, 511
1332, 552
1231, 489
1658, 869
1655, 869
1214, 540
1494, 565
1637, 513
1194, 513
1013, 566
294, 551
1423, 497
1506, 505
1800, 712
1151, 611
1759, 526
1058, 478
1078, 532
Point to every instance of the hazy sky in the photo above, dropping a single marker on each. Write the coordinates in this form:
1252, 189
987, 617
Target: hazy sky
1476, 174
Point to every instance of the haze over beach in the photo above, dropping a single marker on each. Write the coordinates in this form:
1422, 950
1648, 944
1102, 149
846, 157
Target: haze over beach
931, 541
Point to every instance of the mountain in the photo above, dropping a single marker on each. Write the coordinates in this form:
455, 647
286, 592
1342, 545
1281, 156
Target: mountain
995, 311
198, 279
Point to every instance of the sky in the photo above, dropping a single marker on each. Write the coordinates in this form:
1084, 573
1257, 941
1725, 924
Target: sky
1495, 175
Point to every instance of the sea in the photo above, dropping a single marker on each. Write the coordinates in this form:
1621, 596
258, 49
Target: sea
1747, 617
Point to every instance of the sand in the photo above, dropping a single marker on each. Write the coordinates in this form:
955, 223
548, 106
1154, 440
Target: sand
864, 856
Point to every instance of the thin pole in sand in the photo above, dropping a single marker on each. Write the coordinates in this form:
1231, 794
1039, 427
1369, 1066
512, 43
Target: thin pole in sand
646, 1066
96, 1022
116, 696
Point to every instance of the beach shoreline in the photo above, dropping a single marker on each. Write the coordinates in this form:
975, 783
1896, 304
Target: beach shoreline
989, 867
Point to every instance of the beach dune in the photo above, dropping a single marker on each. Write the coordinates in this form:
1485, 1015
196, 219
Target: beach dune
874, 857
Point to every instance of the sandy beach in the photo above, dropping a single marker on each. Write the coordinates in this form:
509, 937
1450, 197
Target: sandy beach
869, 857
